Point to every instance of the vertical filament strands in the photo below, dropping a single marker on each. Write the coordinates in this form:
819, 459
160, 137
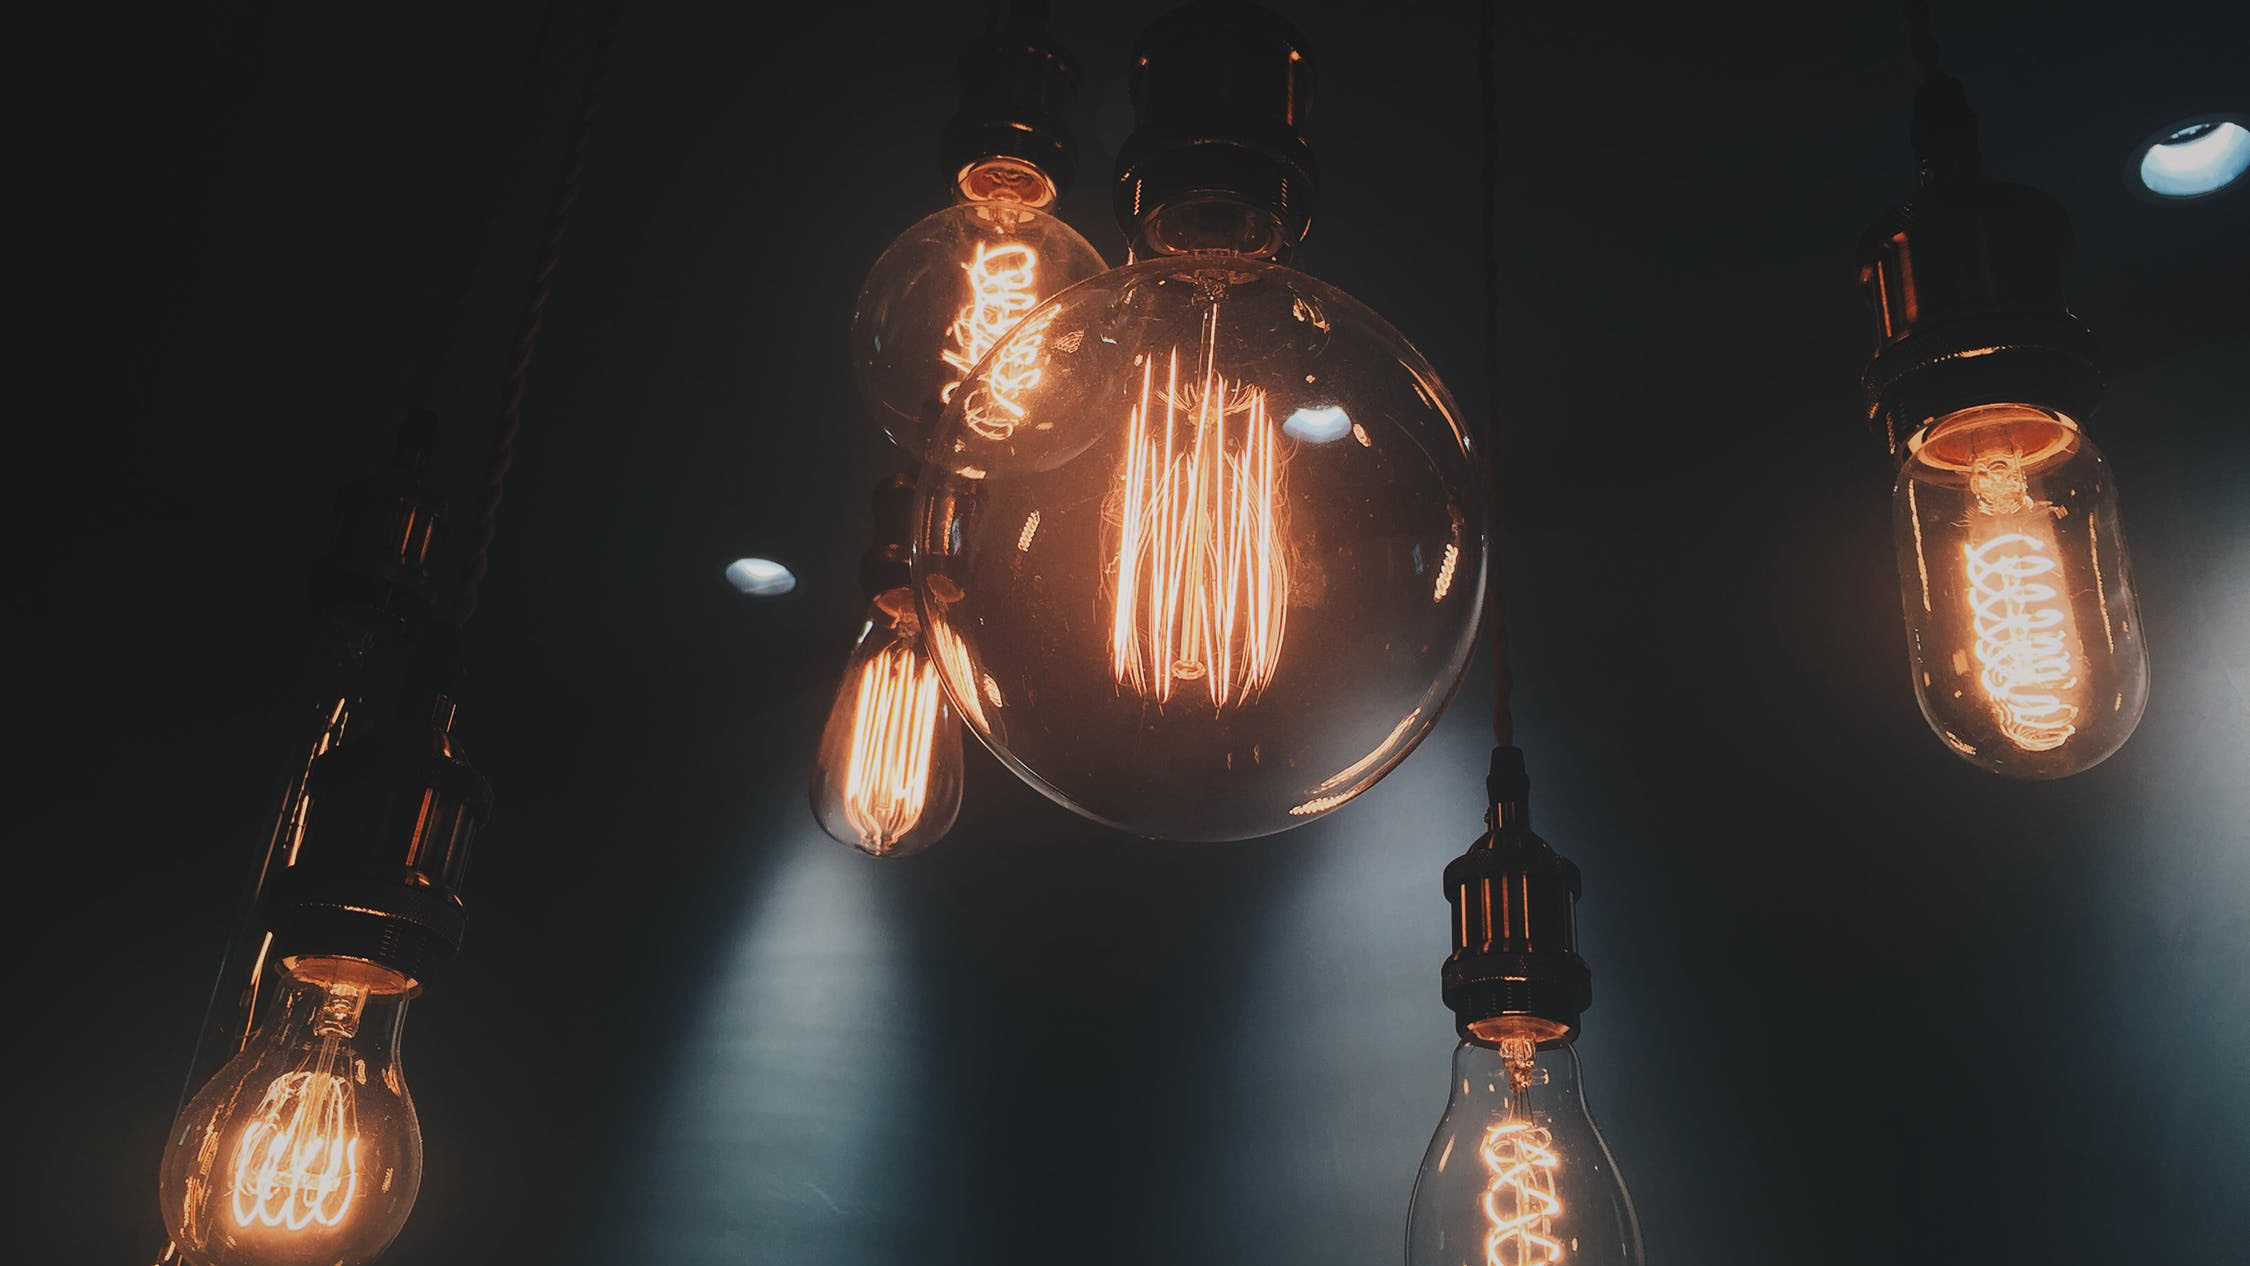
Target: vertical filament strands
1520, 1204
2023, 645
894, 726
297, 1164
1003, 288
1202, 580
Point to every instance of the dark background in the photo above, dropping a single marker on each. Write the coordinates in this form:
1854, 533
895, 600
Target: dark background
1856, 1001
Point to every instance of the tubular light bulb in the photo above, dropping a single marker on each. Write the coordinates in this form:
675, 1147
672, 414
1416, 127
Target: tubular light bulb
950, 288
888, 779
1228, 574
1517, 1173
303, 1150
2022, 626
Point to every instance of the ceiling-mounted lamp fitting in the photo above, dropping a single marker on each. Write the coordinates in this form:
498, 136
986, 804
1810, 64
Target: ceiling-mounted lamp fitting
1217, 159
1515, 967
1010, 135
1966, 284
374, 582
388, 822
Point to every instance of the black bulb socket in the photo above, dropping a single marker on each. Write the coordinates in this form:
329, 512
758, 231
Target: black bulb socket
1017, 90
1515, 963
1220, 91
1966, 284
389, 816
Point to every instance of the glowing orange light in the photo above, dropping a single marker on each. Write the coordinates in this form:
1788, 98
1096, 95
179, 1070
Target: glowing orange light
2023, 626
1520, 1204
297, 1164
894, 723
1003, 288
1445, 572
1202, 581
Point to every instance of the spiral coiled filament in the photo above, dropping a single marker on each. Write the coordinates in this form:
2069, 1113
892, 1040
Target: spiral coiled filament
2022, 626
1003, 288
1520, 1202
297, 1163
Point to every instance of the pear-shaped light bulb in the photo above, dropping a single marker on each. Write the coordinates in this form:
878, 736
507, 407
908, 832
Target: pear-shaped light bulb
888, 777
304, 1149
1517, 1173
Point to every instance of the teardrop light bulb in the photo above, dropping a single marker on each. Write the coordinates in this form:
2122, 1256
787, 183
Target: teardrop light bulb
888, 778
951, 286
2022, 627
1208, 535
1518, 1173
304, 1149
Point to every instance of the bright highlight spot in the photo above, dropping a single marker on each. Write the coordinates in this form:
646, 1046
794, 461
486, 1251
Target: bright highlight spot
760, 577
2197, 159
1318, 426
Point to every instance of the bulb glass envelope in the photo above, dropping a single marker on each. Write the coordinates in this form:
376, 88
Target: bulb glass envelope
2023, 631
1219, 567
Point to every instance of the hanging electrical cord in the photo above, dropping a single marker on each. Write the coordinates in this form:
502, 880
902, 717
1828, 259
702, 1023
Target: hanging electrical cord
375, 576
480, 236
534, 313
1488, 237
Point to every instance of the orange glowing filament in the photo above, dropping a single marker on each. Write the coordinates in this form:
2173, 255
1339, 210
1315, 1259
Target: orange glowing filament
2022, 625
297, 1164
1520, 1204
1202, 580
894, 726
1003, 287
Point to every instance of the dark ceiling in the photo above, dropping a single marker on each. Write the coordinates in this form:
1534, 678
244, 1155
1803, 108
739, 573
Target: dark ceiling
1856, 1002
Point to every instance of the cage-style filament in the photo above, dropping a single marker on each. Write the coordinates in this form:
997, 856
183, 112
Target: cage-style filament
894, 724
1202, 578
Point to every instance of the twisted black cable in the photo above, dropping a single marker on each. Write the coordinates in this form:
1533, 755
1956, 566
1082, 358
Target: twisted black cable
534, 313
480, 236
1946, 145
1488, 234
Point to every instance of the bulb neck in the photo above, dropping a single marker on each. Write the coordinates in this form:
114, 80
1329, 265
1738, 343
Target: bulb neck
1514, 971
1966, 285
1010, 137
1216, 160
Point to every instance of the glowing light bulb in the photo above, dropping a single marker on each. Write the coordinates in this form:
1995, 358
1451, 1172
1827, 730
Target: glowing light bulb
1517, 1173
888, 779
304, 1149
950, 288
1230, 573
2023, 628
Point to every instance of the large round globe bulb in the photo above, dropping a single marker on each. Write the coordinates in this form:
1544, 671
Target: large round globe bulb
1202, 552
951, 287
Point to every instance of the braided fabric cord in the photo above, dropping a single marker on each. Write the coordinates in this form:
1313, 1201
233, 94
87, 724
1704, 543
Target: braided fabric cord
527, 335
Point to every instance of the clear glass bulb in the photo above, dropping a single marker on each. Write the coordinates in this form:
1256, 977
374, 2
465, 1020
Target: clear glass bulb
304, 1150
888, 779
1218, 567
1517, 1173
946, 291
2023, 632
